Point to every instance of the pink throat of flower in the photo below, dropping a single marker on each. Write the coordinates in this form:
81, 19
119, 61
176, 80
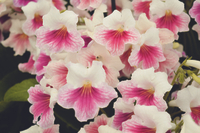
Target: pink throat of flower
86, 88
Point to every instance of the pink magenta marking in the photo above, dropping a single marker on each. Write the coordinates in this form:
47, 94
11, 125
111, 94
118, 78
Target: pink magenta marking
42, 61
116, 39
169, 21
143, 7
196, 114
58, 4
142, 129
120, 117
37, 21
19, 3
149, 55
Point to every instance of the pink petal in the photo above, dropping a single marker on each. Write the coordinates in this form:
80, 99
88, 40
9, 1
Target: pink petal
121, 117
59, 4
140, 6
128, 69
20, 3
42, 61
195, 10
114, 40
134, 126
59, 40
93, 126
196, 114
175, 23
28, 67
150, 56
40, 107
83, 4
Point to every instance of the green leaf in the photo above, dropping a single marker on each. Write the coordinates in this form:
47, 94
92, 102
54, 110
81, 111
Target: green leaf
18, 92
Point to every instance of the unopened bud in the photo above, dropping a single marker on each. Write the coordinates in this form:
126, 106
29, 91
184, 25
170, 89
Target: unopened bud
194, 76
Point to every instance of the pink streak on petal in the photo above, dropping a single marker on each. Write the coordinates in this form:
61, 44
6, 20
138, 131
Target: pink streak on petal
114, 40
42, 61
111, 76
174, 23
196, 114
59, 40
53, 129
140, 6
20, 3
58, 72
128, 69
59, 4
40, 107
119, 118
195, 10
87, 40
150, 56
38, 78
93, 126
28, 67
86, 100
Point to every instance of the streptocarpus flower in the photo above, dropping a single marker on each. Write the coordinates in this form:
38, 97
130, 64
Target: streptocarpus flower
18, 40
20, 3
86, 90
107, 129
188, 100
34, 13
170, 15
147, 119
196, 28
59, 32
146, 87
116, 31
43, 103
148, 53
112, 65
195, 11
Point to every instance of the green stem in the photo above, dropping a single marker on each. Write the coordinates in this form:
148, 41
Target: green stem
104, 112
68, 124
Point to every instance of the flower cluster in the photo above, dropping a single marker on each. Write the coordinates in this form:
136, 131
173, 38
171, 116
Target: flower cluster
78, 59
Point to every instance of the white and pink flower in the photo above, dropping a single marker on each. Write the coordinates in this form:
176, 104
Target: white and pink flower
59, 32
86, 90
116, 31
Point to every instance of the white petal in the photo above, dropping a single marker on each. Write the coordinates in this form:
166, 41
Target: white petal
107, 129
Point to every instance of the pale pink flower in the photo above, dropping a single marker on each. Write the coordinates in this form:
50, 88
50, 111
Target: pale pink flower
107, 129
86, 90
146, 87
34, 13
18, 40
195, 11
170, 15
116, 31
59, 4
20, 3
59, 32
148, 53
147, 119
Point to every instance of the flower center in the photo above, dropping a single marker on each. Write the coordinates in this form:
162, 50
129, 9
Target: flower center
87, 88
38, 18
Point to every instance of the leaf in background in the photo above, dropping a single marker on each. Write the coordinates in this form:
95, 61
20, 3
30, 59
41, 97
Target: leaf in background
8, 81
18, 92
